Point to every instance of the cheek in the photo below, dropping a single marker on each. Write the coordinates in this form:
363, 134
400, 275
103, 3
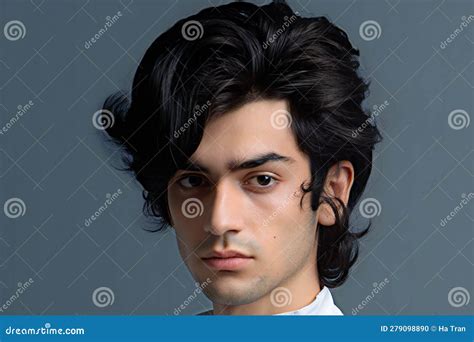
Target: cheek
273, 206
188, 238
291, 232
184, 211
188, 230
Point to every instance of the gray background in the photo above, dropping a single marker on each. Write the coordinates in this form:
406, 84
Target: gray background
56, 162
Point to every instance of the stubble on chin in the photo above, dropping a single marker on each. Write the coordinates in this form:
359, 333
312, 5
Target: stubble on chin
237, 294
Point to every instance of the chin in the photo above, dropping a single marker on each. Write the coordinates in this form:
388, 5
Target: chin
230, 291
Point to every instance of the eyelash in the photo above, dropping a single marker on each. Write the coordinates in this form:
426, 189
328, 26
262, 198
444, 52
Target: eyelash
185, 177
259, 188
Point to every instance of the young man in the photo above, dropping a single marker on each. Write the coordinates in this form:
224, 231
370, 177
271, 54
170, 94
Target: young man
246, 130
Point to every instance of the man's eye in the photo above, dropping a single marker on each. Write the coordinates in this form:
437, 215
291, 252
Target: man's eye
262, 181
191, 181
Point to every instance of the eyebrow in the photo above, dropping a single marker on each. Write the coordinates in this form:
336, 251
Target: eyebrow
235, 164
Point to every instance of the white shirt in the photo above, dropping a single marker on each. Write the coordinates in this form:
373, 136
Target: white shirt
323, 304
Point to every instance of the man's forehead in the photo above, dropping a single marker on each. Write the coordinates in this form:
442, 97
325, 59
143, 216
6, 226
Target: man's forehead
253, 128
231, 150
231, 164
245, 134
251, 117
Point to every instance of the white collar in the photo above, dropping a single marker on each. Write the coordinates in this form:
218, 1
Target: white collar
323, 304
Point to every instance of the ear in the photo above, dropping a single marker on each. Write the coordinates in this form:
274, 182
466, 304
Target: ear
338, 184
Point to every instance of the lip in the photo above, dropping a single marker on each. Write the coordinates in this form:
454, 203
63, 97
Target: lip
227, 260
226, 254
227, 264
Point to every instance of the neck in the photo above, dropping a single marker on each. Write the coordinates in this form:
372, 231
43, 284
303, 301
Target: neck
301, 288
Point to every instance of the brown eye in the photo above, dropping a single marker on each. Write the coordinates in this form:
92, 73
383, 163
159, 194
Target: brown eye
262, 181
191, 181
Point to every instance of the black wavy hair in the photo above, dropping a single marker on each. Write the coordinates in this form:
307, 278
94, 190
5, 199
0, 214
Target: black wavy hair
232, 54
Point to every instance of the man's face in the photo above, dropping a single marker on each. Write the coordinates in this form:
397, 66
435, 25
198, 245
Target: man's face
226, 203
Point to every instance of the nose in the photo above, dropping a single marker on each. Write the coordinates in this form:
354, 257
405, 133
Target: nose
226, 210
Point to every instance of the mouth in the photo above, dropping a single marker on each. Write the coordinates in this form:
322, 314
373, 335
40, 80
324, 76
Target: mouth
227, 260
